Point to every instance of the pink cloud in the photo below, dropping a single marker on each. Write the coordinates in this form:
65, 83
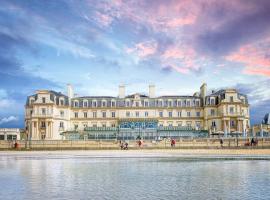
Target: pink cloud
254, 57
182, 59
143, 49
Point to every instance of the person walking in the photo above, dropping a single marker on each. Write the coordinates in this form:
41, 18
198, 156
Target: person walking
221, 142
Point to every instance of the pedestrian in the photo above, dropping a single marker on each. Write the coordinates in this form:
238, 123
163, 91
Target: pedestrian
221, 142
140, 143
126, 146
252, 142
172, 142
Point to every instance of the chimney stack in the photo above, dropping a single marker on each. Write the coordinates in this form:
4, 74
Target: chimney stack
70, 92
203, 90
152, 91
122, 91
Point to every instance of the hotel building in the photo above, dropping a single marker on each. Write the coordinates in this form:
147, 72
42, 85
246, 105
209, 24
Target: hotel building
52, 115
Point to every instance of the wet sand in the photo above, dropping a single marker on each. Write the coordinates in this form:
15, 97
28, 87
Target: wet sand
141, 153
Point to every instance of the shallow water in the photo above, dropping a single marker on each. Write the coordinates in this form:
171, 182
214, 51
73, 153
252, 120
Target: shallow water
133, 178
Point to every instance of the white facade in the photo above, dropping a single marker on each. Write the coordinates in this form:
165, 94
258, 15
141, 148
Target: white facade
49, 113
9, 134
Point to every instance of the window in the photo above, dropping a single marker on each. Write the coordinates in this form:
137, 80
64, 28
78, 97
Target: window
113, 104
198, 125
75, 126
62, 113
146, 114
189, 124
179, 114
43, 124
232, 123
85, 104
160, 114
212, 101
231, 99
103, 114
128, 103
170, 104
137, 114
32, 101
188, 103
76, 104
179, 103
94, 114
61, 102
170, 124
213, 124
197, 103
104, 125
61, 125
198, 114
113, 114
103, 104
113, 125
212, 111
95, 125
231, 110
137, 104
127, 114
85, 114
43, 100
76, 115
43, 111
170, 114
146, 104
188, 113
94, 104
179, 123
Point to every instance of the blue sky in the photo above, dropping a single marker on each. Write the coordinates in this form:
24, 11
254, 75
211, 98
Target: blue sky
97, 45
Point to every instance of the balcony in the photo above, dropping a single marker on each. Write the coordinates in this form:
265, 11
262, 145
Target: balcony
40, 115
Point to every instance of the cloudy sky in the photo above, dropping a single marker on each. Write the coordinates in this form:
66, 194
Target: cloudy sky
97, 45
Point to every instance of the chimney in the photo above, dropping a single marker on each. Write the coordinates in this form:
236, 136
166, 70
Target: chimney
152, 91
203, 90
122, 91
70, 92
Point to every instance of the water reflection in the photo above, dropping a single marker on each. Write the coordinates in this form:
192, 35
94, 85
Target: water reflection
133, 178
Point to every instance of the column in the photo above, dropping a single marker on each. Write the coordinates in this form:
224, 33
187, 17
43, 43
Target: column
229, 126
52, 130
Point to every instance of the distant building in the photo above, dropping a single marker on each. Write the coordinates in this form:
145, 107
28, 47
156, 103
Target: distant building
263, 129
266, 119
9, 134
52, 115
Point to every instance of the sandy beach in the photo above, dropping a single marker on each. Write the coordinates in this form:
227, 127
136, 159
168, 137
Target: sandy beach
163, 153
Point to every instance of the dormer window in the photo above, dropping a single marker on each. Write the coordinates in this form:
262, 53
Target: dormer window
76, 104
137, 104
113, 104
43, 100
231, 99
146, 104
212, 101
61, 102
85, 104
103, 103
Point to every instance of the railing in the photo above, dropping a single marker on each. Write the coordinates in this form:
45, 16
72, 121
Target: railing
198, 143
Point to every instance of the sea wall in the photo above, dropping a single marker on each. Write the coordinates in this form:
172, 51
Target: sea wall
209, 143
